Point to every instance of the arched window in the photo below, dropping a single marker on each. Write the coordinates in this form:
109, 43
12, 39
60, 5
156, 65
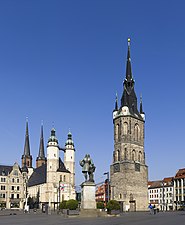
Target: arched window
125, 154
118, 154
139, 156
136, 132
117, 132
133, 155
114, 156
64, 178
120, 196
125, 128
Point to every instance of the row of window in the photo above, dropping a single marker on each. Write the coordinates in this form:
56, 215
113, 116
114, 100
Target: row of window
3, 180
117, 155
167, 195
179, 191
12, 196
157, 190
137, 133
180, 182
13, 188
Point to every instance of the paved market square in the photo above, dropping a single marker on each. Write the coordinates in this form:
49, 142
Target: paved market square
139, 218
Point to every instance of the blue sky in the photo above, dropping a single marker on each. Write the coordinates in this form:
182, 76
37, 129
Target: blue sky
63, 61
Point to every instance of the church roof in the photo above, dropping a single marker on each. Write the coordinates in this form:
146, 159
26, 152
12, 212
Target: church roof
39, 175
62, 167
5, 170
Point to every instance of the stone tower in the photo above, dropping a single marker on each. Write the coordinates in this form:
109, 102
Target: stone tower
26, 157
41, 159
69, 158
128, 172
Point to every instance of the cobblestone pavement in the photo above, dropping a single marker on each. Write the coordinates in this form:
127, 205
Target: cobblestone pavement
144, 218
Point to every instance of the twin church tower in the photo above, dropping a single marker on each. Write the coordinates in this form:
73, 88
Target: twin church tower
128, 172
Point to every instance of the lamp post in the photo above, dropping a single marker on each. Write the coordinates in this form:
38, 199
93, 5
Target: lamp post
107, 173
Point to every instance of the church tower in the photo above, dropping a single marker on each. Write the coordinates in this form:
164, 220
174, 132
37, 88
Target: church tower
69, 158
41, 159
128, 172
52, 157
26, 157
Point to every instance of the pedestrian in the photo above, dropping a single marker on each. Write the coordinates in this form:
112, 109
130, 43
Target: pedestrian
151, 209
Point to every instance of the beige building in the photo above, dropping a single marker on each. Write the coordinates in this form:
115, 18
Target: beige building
11, 187
179, 189
161, 194
129, 172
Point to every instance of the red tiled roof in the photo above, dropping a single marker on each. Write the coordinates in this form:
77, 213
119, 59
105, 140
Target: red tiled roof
180, 173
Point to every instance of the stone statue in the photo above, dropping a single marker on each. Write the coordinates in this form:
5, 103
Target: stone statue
88, 167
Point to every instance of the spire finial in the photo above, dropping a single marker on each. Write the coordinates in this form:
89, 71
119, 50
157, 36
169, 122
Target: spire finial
128, 41
140, 98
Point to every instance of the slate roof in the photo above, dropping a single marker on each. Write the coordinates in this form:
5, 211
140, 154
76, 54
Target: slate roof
39, 175
5, 169
62, 167
129, 98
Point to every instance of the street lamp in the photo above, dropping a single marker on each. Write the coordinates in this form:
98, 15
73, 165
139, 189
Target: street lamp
107, 173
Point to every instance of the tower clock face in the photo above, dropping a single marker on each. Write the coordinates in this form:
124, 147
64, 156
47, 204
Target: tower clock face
116, 167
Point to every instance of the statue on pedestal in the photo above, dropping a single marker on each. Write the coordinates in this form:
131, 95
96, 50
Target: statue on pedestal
88, 168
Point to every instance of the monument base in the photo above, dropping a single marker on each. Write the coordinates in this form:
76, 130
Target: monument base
88, 196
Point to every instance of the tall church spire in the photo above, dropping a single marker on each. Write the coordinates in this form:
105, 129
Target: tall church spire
27, 143
128, 68
41, 156
26, 157
129, 98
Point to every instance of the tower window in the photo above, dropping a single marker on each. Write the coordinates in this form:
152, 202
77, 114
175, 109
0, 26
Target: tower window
125, 128
118, 155
133, 155
125, 154
136, 132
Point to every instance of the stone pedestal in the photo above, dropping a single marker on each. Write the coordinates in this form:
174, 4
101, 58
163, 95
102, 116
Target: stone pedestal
88, 196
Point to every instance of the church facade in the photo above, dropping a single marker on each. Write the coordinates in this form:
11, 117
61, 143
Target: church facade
51, 182
129, 172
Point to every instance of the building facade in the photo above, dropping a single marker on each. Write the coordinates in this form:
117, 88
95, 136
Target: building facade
129, 172
11, 187
179, 189
161, 194
54, 180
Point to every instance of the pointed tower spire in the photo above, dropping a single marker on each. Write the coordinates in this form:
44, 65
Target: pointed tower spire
128, 68
129, 98
41, 159
116, 102
141, 105
26, 157
27, 143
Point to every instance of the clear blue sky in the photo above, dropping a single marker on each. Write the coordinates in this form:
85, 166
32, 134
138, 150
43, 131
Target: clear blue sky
63, 61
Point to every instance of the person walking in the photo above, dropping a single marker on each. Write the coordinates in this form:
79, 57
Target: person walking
151, 209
